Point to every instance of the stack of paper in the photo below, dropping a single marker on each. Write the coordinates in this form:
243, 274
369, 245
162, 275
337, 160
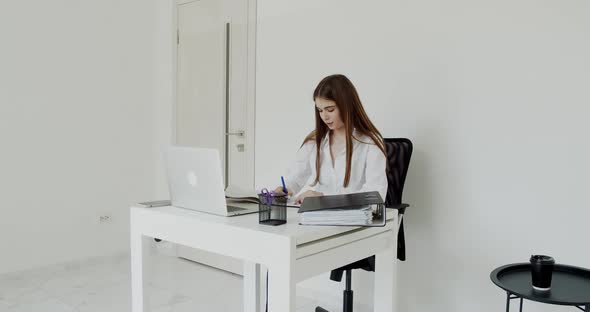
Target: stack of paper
357, 216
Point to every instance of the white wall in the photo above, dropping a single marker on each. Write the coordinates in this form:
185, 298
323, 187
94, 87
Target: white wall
164, 47
76, 131
493, 95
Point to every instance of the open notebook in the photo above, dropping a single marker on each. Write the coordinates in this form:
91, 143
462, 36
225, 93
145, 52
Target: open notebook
235, 194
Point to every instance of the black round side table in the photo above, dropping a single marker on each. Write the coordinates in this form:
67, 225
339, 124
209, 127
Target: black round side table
569, 286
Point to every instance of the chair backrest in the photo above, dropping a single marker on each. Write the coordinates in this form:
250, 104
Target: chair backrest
399, 151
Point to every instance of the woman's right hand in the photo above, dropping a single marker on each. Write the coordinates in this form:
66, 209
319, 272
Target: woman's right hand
279, 190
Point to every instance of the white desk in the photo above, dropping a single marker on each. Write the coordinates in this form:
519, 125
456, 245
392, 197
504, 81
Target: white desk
291, 252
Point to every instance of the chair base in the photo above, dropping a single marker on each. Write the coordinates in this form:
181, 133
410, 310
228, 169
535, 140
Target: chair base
346, 306
347, 302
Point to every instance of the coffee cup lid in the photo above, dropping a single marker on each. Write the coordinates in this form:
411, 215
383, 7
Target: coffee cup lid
542, 259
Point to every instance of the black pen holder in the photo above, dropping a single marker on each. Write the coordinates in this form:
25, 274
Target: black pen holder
272, 209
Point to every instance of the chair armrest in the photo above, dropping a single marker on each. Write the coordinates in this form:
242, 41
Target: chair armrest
400, 207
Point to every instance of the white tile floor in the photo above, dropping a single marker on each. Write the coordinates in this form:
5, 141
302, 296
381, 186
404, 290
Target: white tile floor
103, 285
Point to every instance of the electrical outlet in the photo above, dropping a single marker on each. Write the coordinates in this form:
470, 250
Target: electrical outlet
105, 219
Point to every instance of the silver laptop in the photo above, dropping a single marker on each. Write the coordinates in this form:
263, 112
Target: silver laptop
196, 182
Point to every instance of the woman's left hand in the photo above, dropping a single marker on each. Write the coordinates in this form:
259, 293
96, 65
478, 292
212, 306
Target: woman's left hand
309, 193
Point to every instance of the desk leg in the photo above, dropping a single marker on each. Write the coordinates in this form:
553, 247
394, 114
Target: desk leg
251, 287
139, 247
386, 279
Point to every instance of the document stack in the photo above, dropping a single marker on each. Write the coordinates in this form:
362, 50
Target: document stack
351, 216
363, 209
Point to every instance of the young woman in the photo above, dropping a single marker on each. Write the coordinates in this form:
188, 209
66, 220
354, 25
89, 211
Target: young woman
345, 153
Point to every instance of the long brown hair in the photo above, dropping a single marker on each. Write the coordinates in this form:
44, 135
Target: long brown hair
339, 89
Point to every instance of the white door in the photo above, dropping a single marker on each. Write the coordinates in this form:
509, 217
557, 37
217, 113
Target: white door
215, 93
214, 84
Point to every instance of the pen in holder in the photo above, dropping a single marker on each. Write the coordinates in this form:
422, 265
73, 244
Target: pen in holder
272, 208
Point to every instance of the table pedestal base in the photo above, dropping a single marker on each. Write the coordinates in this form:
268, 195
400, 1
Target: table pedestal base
510, 296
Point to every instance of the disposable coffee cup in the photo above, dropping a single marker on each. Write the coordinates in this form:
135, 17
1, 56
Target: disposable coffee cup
542, 271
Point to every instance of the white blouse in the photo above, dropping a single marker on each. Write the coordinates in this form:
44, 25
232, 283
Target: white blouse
367, 171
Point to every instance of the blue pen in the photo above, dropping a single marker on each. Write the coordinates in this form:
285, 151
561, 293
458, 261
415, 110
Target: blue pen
284, 187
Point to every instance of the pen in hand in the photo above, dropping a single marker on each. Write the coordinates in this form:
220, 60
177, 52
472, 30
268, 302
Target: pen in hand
284, 186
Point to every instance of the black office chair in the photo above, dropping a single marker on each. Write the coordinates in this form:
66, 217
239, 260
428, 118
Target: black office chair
399, 152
